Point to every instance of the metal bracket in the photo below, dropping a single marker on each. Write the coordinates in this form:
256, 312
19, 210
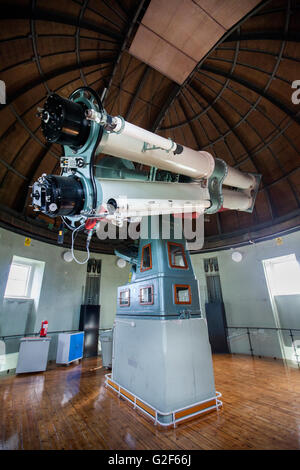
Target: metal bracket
215, 183
254, 191
185, 315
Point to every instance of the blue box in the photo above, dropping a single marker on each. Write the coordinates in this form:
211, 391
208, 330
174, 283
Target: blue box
69, 347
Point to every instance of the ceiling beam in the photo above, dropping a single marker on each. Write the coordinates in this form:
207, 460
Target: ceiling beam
140, 85
177, 88
256, 89
124, 44
55, 73
9, 11
264, 35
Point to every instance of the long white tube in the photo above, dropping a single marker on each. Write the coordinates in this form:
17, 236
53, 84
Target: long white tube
237, 179
189, 162
236, 200
139, 145
130, 130
141, 198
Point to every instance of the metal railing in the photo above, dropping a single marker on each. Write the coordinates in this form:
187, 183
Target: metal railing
12, 347
248, 329
24, 335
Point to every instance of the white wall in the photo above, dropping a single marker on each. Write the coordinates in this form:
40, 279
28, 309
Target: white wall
62, 287
245, 291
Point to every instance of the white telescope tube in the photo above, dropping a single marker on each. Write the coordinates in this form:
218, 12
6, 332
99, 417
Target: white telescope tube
237, 179
148, 198
130, 130
131, 142
189, 162
236, 200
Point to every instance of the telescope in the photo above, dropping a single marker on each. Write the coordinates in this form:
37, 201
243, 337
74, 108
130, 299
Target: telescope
182, 177
162, 361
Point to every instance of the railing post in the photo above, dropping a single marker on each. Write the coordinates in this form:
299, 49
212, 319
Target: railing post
295, 349
249, 339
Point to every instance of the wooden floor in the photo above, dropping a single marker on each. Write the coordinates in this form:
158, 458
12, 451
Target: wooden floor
70, 408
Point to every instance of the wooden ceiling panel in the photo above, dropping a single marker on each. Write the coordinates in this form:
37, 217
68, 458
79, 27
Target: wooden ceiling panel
20, 28
235, 146
245, 219
288, 157
273, 112
7, 198
50, 28
14, 52
292, 50
258, 78
249, 135
59, 61
68, 89
209, 127
9, 146
229, 221
162, 56
183, 24
219, 120
221, 53
283, 92
7, 120
223, 65
260, 122
211, 227
64, 7
243, 90
262, 61
288, 70
238, 102
28, 99
262, 207
106, 18
60, 80
17, 77
25, 160
248, 166
223, 151
283, 198
269, 22
227, 13
295, 180
267, 166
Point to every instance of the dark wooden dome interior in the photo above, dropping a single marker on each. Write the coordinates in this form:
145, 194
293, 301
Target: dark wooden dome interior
236, 104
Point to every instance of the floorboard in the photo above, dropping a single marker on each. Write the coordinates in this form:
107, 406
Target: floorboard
70, 408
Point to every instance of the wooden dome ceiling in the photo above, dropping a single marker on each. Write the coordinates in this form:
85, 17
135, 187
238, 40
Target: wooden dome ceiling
236, 103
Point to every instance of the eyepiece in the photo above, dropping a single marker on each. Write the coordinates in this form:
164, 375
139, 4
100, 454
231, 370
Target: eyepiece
58, 195
64, 122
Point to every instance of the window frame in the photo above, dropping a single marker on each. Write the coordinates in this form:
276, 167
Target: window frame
173, 266
177, 302
28, 281
142, 258
152, 295
128, 303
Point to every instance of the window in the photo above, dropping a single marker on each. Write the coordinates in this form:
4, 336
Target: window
146, 262
283, 275
177, 258
146, 295
183, 295
18, 281
125, 298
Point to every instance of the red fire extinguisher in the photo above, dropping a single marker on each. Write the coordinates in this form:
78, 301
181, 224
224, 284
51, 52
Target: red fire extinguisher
44, 328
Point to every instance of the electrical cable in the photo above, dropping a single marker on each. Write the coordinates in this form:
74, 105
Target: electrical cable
75, 231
